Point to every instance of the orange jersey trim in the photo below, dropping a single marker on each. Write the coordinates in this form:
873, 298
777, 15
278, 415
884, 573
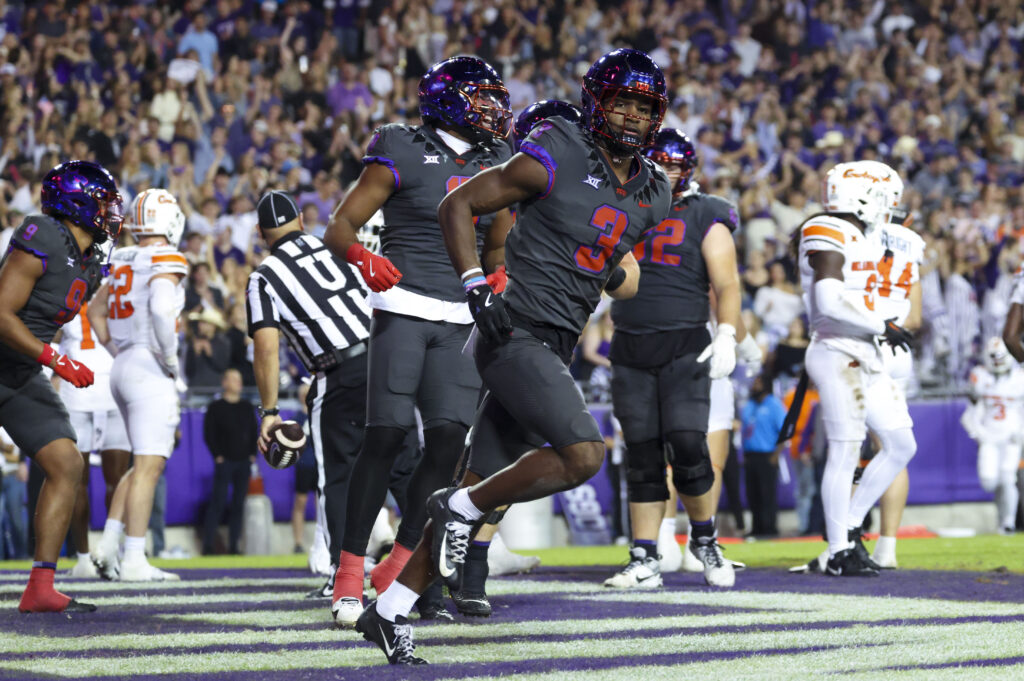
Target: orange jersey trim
175, 258
822, 230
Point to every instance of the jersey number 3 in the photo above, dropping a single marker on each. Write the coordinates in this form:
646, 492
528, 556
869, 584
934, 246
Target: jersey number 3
612, 224
121, 285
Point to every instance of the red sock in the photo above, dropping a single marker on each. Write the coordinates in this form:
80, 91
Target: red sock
388, 569
348, 580
40, 596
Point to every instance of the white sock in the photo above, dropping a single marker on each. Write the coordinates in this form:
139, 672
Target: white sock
397, 601
135, 548
668, 526
835, 491
460, 503
886, 546
84, 556
113, 530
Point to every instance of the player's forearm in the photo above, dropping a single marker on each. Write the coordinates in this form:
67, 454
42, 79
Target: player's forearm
832, 302
456, 219
340, 235
728, 307
913, 321
631, 284
17, 336
267, 370
1012, 332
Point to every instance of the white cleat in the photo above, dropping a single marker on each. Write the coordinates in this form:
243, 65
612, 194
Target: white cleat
382, 536
886, 562
142, 571
107, 564
670, 552
501, 561
84, 569
717, 570
640, 573
815, 565
346, 611
691, 563
320, 558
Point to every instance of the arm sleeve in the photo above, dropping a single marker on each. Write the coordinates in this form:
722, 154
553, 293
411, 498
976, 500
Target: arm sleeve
722, 212
259, 305
164, 317
546, 142
832, 302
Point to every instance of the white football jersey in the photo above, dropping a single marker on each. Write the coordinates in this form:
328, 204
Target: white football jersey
898, 269
78, 342
861, 253
131, 269
1002, 402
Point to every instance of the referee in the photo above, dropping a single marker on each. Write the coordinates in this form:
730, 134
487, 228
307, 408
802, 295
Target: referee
318, 303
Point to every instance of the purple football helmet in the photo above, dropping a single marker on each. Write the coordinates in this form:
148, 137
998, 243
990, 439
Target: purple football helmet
465, 94
673, 147
85, 194
623, 71
538, 111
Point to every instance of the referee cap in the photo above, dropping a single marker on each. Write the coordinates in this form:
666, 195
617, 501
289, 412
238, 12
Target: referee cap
276, 209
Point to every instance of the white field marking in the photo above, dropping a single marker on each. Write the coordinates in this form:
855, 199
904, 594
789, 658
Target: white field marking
99, 586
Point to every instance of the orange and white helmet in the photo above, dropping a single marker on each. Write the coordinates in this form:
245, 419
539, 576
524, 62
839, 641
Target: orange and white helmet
892, 187
155, 212
862, 188
996, 357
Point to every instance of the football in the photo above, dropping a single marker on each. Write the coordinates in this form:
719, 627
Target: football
287, 440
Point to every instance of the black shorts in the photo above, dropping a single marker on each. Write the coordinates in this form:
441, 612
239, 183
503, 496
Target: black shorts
531, 400
651, 403
419, 363
34, 415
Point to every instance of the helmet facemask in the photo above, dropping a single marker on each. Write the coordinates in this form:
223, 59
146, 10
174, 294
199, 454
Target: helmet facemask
628, 139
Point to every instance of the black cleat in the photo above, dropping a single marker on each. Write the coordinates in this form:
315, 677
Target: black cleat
327, 590
77, 606
472, 603
394, 638
451, 538
846, 563
431, 605
471, 598
857, 538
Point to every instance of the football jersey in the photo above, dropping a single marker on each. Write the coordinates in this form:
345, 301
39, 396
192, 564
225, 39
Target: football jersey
69, 279
674, 281
425, 169
861, 253
1017, 293
1002, 400
898, 269
78, 342
569, 239
128, 313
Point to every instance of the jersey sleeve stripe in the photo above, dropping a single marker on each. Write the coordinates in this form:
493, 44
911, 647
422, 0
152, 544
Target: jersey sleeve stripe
823, 231
259, 307
384, 161
540, 154
172, 258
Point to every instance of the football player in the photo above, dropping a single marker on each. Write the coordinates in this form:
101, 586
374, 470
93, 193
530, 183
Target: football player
663, 362
51, 267
98, 425
421, 321
838, 256
586, 196
994, 421
137, 309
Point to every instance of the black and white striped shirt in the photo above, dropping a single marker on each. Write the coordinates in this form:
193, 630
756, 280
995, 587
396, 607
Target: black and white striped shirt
316, 300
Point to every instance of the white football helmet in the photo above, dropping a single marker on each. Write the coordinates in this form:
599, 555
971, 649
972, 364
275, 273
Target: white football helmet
996, 357
155, 212
862, 188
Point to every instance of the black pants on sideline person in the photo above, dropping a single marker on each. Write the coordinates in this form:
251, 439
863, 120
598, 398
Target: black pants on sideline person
236, 474
762, 477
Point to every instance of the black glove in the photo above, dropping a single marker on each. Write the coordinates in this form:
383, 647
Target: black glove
896, 335
489, 313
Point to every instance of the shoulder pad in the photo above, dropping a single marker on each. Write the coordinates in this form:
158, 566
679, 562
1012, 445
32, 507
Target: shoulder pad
43, 237
721, 210
826, 231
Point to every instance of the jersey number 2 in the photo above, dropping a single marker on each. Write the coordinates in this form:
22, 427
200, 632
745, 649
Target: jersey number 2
670, 232
612, 224
121, 285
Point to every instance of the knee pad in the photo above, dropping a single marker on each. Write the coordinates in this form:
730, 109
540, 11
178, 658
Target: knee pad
899, 444
645, 472
691, 462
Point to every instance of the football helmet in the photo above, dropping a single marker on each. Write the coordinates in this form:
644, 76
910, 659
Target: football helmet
538, 111
155, 212
465, 94
861, 188
892, 187
623, 71
996, 357
85, 194
673, 147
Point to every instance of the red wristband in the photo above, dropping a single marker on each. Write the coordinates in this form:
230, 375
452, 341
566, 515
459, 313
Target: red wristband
354, 253
47, 355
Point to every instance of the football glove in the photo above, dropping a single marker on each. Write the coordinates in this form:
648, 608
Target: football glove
749, 352
721, 352
498, 280
75, 373
378, 272
489, 313
896, 335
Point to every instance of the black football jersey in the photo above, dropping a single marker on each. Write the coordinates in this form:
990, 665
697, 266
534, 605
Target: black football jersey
674, 282
69, 279
425, 169
569, 239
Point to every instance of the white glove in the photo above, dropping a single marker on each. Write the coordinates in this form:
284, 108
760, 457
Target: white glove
749, 352
722, 352
169, 365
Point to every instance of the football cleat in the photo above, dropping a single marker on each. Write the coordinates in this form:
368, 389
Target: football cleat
142, 571
319, 560
640, 573
346, 611
430, 605
78, 606
325, 591
691, 563
84, 569
846, 563
855, 535
815, 565
471, 597
108, 564
717, 570
394, 638
501, 561
668, 549
886, 562
451, 538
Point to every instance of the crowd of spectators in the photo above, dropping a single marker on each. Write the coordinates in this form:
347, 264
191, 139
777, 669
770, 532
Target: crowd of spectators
220, 101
